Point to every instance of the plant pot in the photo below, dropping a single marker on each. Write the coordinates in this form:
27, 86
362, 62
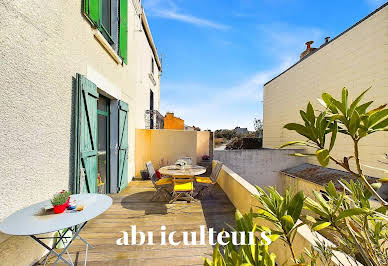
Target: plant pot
60, 208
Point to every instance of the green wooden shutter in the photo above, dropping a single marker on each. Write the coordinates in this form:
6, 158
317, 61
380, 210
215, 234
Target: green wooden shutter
92, 10
86, 150
123, 35
123, 146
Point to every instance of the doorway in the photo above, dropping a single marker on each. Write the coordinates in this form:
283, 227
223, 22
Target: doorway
103, 158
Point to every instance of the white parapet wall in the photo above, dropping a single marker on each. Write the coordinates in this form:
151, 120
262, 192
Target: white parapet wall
242, 195
262, 166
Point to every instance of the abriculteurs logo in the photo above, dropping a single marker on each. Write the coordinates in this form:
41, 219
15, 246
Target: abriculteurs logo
189, 238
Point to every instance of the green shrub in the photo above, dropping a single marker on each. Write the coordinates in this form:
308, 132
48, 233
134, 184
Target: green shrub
358, 229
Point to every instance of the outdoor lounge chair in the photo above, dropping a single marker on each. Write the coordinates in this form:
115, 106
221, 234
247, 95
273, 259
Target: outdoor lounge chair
205, 185
162, 186
183, 188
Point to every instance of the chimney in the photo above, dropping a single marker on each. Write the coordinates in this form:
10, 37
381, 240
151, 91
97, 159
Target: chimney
326, 41
308, 50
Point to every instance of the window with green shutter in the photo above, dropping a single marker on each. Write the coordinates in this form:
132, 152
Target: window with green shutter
110, 18
123, 34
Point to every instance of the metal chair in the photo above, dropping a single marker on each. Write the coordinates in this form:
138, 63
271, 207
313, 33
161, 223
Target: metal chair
205, 185
162, 186
183, 188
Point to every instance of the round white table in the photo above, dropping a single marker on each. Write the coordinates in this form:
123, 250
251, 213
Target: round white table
33, 220
188, 170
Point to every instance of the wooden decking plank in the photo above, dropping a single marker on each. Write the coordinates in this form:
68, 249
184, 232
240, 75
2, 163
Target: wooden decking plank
133, 206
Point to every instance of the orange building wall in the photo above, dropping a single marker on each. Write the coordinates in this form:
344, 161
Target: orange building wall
172, 122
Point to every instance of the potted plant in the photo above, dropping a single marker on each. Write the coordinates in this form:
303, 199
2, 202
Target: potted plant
60, 201
205, 157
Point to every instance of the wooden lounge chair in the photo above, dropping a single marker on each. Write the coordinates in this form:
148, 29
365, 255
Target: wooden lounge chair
205, 185
183, 188
162, 186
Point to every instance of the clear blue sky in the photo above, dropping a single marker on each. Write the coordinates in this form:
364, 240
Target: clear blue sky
217, 54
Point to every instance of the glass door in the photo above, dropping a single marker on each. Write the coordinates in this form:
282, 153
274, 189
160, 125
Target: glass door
103, 145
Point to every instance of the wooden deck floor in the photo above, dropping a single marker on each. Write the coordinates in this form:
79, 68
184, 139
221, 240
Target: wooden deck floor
134, 207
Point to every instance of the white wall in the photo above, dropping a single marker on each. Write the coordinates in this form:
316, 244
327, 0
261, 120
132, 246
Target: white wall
259, 167
357, 60
43, 45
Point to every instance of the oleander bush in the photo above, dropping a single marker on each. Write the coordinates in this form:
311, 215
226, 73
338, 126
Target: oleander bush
346, 216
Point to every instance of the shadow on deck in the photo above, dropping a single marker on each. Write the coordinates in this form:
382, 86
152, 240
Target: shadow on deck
133, 206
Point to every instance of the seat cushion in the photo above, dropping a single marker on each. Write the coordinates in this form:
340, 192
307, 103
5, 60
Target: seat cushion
183, 186
205, 180
164, 181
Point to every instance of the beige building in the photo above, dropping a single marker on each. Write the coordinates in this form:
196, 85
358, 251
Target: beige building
67, 65
356, 59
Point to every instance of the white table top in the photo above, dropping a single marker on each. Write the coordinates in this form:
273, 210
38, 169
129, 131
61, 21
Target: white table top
189, 170
32, 221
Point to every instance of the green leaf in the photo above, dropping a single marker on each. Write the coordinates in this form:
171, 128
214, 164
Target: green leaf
362, 108
327, 99
296, 205
362, 132
321, 201
314, 207
287, 222
300, 142
383, 180
301, 154
351, 212
333, 136
321, 126
310, 113
345, 94
376, 186
320, 225
339, 106
376, 117
330, 189
322, 102
371, 112
310, 218
302, 130
323, 157
356, 101
304, 117
382, 124
273, 237
354, 123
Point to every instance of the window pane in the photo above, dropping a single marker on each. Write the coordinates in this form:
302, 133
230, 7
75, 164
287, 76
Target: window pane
102, 104
102, 152
102, 137
106, 14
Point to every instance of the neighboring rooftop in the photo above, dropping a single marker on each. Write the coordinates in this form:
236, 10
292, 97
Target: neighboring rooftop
328, 42
320, 175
